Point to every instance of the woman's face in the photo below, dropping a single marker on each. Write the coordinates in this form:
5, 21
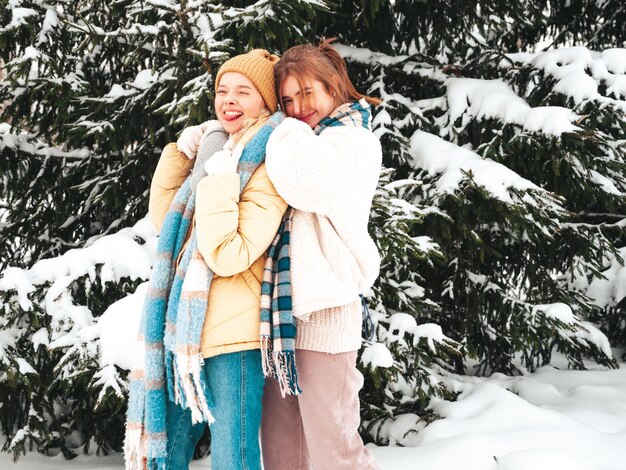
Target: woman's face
310, 105
237, 99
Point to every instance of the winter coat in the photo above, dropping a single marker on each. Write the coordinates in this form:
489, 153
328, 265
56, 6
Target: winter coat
330, 180
234, 232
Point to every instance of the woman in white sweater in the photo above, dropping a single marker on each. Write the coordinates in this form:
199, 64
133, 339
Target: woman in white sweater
324, 161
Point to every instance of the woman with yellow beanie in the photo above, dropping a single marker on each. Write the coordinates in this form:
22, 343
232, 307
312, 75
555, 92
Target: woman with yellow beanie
199, 357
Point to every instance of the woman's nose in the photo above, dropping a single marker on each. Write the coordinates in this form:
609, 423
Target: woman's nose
296, 107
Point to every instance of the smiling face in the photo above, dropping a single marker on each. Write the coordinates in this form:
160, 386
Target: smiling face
236, 100
310, 104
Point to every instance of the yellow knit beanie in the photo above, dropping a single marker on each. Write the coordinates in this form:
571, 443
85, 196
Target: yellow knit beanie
258, 66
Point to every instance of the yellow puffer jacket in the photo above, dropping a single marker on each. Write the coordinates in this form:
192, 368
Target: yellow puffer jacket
234, 232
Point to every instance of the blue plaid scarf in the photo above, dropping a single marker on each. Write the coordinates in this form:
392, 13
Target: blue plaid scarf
169, 353
356, 114
278, 325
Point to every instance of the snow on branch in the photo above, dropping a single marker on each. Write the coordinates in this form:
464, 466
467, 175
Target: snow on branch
609, 290
467, 98
31, 145
571, 328
470, 98
127, 253
438, 156
580, 72
51, 284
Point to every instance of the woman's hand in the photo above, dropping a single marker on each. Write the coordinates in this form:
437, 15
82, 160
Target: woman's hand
189, 139
224, 161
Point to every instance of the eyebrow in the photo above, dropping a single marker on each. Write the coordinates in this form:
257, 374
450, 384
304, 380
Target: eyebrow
236, 86
308, 88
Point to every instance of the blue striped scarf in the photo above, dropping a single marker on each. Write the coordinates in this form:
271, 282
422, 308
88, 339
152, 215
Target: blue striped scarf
169, 354
278, 325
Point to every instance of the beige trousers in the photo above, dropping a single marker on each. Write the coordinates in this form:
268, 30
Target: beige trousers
317, 430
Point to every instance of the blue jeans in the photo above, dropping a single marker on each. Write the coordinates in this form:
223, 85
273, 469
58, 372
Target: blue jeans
235, 382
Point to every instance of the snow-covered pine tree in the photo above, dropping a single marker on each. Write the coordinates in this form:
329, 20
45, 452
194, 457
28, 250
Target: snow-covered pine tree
497, 225
522, 261
90, 93
57, 391
93, 90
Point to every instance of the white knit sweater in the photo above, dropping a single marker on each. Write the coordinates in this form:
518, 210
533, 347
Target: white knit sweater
330, 180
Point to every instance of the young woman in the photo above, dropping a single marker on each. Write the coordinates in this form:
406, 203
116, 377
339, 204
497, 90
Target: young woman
199, 341
325, 162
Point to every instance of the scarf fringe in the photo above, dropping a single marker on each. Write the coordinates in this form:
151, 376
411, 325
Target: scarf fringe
282, 366
286, 373
135, 453
133, 450
266, 356
189, 389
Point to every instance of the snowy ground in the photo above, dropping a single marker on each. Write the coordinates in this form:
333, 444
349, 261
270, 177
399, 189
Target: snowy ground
550, 420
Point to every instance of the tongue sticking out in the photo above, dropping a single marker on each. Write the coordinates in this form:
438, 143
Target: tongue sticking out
232, 116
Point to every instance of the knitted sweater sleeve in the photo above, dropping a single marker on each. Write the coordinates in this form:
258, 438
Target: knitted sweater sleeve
170, 174
235, 230
310, 171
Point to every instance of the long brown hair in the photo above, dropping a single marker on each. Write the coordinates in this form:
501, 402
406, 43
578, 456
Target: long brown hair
321, 63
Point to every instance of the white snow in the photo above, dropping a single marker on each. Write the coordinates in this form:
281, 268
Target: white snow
119, 254
618, 88
169, 4
126, 254
579, 71
558, 311
578, 85
610, 291
403, 323
19, 16
27, 144
403, 430
40, 337
118, 91
615, 60
552, 120
584, 330
144, 79
607, 185
495, 99
24, 367
8, 336
50, 22
436, 155
376, 355
549, 420
15, 278
367, 56
119, 326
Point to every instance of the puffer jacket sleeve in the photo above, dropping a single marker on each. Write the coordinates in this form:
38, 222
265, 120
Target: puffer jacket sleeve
235, 230
310, 171
170, 174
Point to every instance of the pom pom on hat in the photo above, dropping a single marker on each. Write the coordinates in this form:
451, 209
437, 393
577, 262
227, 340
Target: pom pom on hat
258, 66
